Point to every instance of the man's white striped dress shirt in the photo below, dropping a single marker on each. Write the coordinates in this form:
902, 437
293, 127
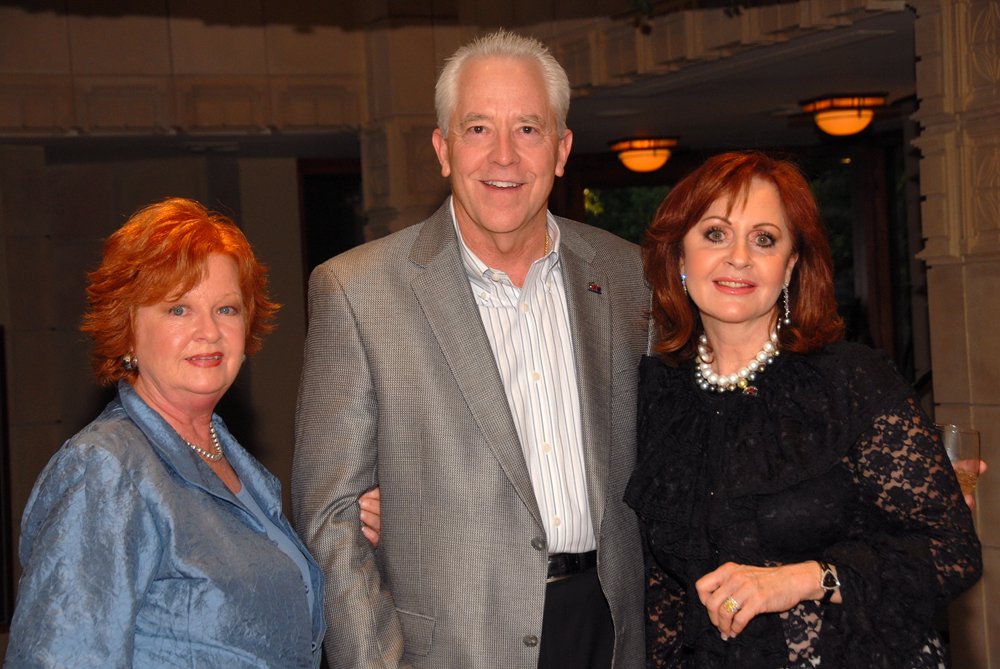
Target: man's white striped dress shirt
529, 333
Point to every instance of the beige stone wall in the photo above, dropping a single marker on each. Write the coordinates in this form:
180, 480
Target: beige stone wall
401, 174
958, 83
178, 65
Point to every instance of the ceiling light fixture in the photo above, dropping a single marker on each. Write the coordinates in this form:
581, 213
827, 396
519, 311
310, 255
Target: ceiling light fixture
843, 115
644, 155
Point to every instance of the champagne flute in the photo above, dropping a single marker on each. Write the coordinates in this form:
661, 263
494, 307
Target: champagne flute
962, 446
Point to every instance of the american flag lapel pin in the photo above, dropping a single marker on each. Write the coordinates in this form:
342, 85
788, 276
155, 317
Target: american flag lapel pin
594, 288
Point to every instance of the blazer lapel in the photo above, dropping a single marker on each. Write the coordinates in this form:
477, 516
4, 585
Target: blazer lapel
443, 293
590, 325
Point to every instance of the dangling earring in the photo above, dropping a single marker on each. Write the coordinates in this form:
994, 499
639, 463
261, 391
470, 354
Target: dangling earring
788, 313
684, 283
130, 362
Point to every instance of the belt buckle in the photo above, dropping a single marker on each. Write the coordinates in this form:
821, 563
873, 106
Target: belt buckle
571, 564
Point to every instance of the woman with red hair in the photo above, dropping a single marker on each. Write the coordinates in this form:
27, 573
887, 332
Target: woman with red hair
152, 539
795, 503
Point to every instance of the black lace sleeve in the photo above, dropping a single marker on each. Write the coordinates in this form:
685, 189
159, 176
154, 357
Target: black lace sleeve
665, 604
913, 552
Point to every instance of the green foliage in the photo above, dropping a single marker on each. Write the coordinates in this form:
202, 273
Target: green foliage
831, 187
592, 203
626, 212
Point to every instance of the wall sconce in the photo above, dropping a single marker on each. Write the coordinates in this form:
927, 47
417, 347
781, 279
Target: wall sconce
842, 115
644, 155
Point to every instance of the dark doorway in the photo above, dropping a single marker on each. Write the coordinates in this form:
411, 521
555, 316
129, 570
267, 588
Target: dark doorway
332, 209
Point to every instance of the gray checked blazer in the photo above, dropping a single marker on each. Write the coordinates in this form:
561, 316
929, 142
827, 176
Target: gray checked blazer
400, 389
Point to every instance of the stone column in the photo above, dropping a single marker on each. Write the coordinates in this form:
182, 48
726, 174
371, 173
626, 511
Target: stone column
270, 206
958, 84
401, 174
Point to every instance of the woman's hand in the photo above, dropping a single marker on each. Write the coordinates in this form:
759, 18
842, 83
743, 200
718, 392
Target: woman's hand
371, 515
969, 499
757, 590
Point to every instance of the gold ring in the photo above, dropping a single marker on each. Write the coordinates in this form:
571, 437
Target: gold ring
731, 605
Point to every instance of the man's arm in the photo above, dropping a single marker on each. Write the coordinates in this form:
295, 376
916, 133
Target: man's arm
336, 454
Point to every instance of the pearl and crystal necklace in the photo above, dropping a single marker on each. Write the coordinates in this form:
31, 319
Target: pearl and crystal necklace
710, 381
214, 457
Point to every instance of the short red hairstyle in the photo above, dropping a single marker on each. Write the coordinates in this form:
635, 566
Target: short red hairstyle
813, 306
160, 253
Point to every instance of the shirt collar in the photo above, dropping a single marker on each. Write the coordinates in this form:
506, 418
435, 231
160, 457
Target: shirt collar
480, 272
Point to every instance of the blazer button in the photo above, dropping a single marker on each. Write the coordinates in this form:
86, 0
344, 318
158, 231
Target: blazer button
531, 641
538, 543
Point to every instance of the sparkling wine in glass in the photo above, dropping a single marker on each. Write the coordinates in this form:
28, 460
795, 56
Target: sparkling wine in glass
962, 446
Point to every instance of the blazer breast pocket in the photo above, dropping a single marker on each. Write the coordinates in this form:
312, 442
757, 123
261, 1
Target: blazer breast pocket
418, 632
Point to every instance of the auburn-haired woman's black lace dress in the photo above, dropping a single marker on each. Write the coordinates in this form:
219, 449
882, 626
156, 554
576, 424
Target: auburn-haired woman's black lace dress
832, 459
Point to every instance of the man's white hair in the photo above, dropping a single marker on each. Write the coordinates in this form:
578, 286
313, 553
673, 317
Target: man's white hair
502, 44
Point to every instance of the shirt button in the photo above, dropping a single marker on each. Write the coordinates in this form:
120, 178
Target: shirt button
524, 307
531, 641
546, 447
557, 521
548, 284
535, 376
495, 276
484, 295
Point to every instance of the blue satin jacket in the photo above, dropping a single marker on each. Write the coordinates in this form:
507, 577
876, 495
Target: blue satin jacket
136, 554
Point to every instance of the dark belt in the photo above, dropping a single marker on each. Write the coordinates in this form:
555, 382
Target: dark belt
564, 565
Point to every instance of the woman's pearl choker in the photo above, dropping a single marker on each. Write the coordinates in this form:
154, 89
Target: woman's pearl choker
214, 457
709, 380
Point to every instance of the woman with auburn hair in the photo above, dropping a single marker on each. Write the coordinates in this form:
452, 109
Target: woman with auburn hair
796, 505
152, 539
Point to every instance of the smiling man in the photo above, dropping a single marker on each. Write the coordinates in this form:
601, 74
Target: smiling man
480, 367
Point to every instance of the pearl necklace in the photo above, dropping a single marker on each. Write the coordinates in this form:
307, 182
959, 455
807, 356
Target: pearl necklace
214, 457
709, 380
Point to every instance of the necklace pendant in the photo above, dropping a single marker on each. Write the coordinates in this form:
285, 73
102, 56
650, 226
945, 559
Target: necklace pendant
751, 391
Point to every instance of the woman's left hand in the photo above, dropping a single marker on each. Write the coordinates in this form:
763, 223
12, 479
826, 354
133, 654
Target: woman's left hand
756, 590
371, 515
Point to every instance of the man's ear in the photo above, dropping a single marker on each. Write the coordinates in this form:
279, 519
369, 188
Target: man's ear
565, 144
441, 149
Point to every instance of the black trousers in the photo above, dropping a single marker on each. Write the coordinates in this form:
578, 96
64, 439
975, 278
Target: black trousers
577, 631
